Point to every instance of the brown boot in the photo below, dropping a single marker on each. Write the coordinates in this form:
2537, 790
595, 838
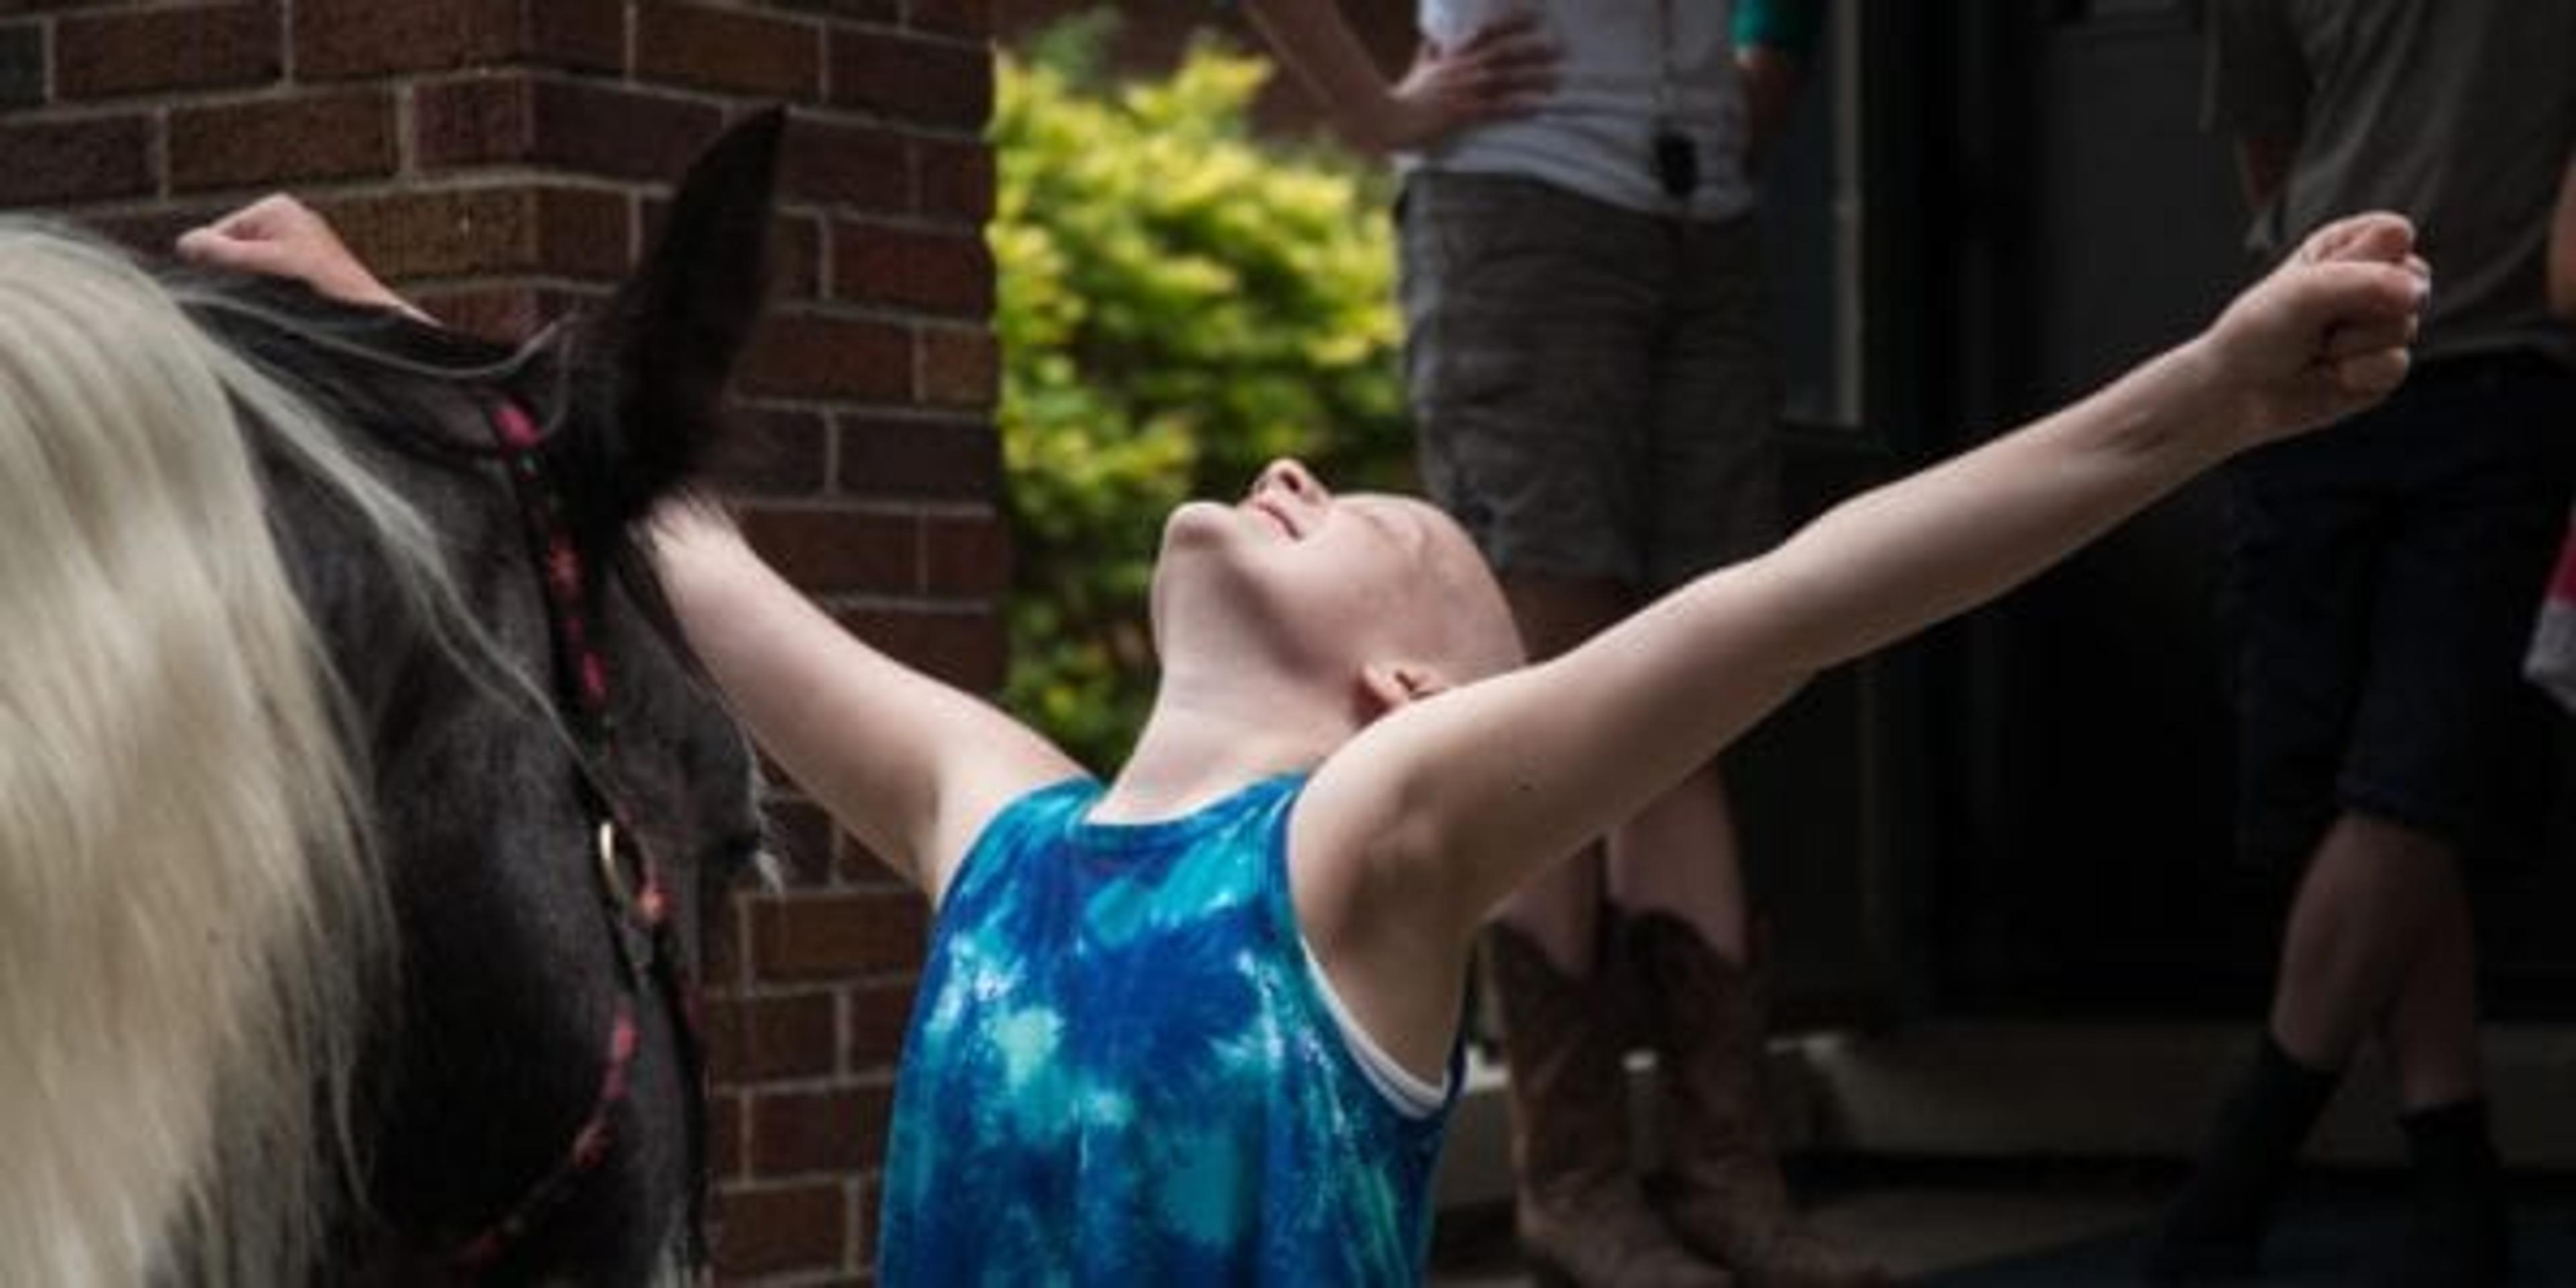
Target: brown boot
1581, 1218
1729, 1201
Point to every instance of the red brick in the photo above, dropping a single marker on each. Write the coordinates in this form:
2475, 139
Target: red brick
506, 313
347, 38
811, 936
944, 273
576, 126
875, 1106
913, 80
871, 1206
827, 357
846, 166
758, 1039
267, 142
957, 181
795, 1133
583, 232
967, 649
774, 1229
483, 118
926, 459
208, 46
795, 259
438, 234
154, 230
46, 163
22, 65
854, 867
954, 17
767, 452
966, 557
959, 367
795, 251
728, 928
839, 552
576, 35
801, 837
863, 10
745, 53
727, 1147
879, 1016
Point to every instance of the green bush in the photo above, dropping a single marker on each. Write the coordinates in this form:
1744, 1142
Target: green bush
1179, 302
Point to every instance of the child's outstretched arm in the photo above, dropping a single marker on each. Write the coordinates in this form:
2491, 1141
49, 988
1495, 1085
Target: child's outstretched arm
912, 767
1457, 799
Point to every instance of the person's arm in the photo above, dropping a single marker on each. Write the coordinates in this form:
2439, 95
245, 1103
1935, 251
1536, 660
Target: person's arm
283, 237
2255, 91
910, 766
1774, 42
2262, 166
1447, 805
1770, 90
1504, 69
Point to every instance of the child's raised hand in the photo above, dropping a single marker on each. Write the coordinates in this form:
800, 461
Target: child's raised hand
2325, 335
283, 237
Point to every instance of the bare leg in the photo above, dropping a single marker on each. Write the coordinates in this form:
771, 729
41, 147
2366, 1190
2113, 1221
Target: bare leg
1681, 857
2378, 941
2431, 1027
2458, 1228
1579, 1212
2373, 896
1676, 879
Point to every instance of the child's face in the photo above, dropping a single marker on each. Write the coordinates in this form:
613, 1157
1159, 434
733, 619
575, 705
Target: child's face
1312, 579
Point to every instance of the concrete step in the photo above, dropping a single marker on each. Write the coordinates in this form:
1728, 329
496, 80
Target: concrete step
1958, 1143
1972, 1089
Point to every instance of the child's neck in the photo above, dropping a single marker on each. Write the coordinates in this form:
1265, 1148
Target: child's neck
1197, 750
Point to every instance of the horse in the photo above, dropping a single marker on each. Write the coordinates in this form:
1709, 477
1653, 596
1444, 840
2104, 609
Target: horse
359, 801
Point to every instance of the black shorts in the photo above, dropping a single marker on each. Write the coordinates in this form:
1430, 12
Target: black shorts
2382, 584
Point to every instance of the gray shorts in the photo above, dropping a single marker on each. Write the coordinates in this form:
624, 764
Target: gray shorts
1592, 386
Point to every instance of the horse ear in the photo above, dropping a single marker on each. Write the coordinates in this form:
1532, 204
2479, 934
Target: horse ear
653, 368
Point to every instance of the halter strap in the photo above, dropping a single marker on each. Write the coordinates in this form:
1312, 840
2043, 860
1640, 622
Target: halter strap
633, 895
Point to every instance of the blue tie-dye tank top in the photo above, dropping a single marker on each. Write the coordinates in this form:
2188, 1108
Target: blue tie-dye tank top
1120, 1071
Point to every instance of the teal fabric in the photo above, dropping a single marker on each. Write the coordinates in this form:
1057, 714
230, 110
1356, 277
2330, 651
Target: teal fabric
1790, 26
1120, 1071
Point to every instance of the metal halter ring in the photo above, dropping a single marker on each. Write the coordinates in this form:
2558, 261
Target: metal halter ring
611, 871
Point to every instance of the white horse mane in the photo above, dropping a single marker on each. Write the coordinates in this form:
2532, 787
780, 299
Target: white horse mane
191, 926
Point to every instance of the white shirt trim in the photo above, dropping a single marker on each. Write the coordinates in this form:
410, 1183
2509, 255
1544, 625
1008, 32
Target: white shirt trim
1406, 1091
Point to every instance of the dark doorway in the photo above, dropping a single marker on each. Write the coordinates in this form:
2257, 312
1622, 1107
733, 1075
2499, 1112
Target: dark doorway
2077, 738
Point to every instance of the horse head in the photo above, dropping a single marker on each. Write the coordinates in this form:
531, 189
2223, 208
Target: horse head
358, 799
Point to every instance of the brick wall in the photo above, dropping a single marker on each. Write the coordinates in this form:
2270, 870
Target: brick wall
500, 159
